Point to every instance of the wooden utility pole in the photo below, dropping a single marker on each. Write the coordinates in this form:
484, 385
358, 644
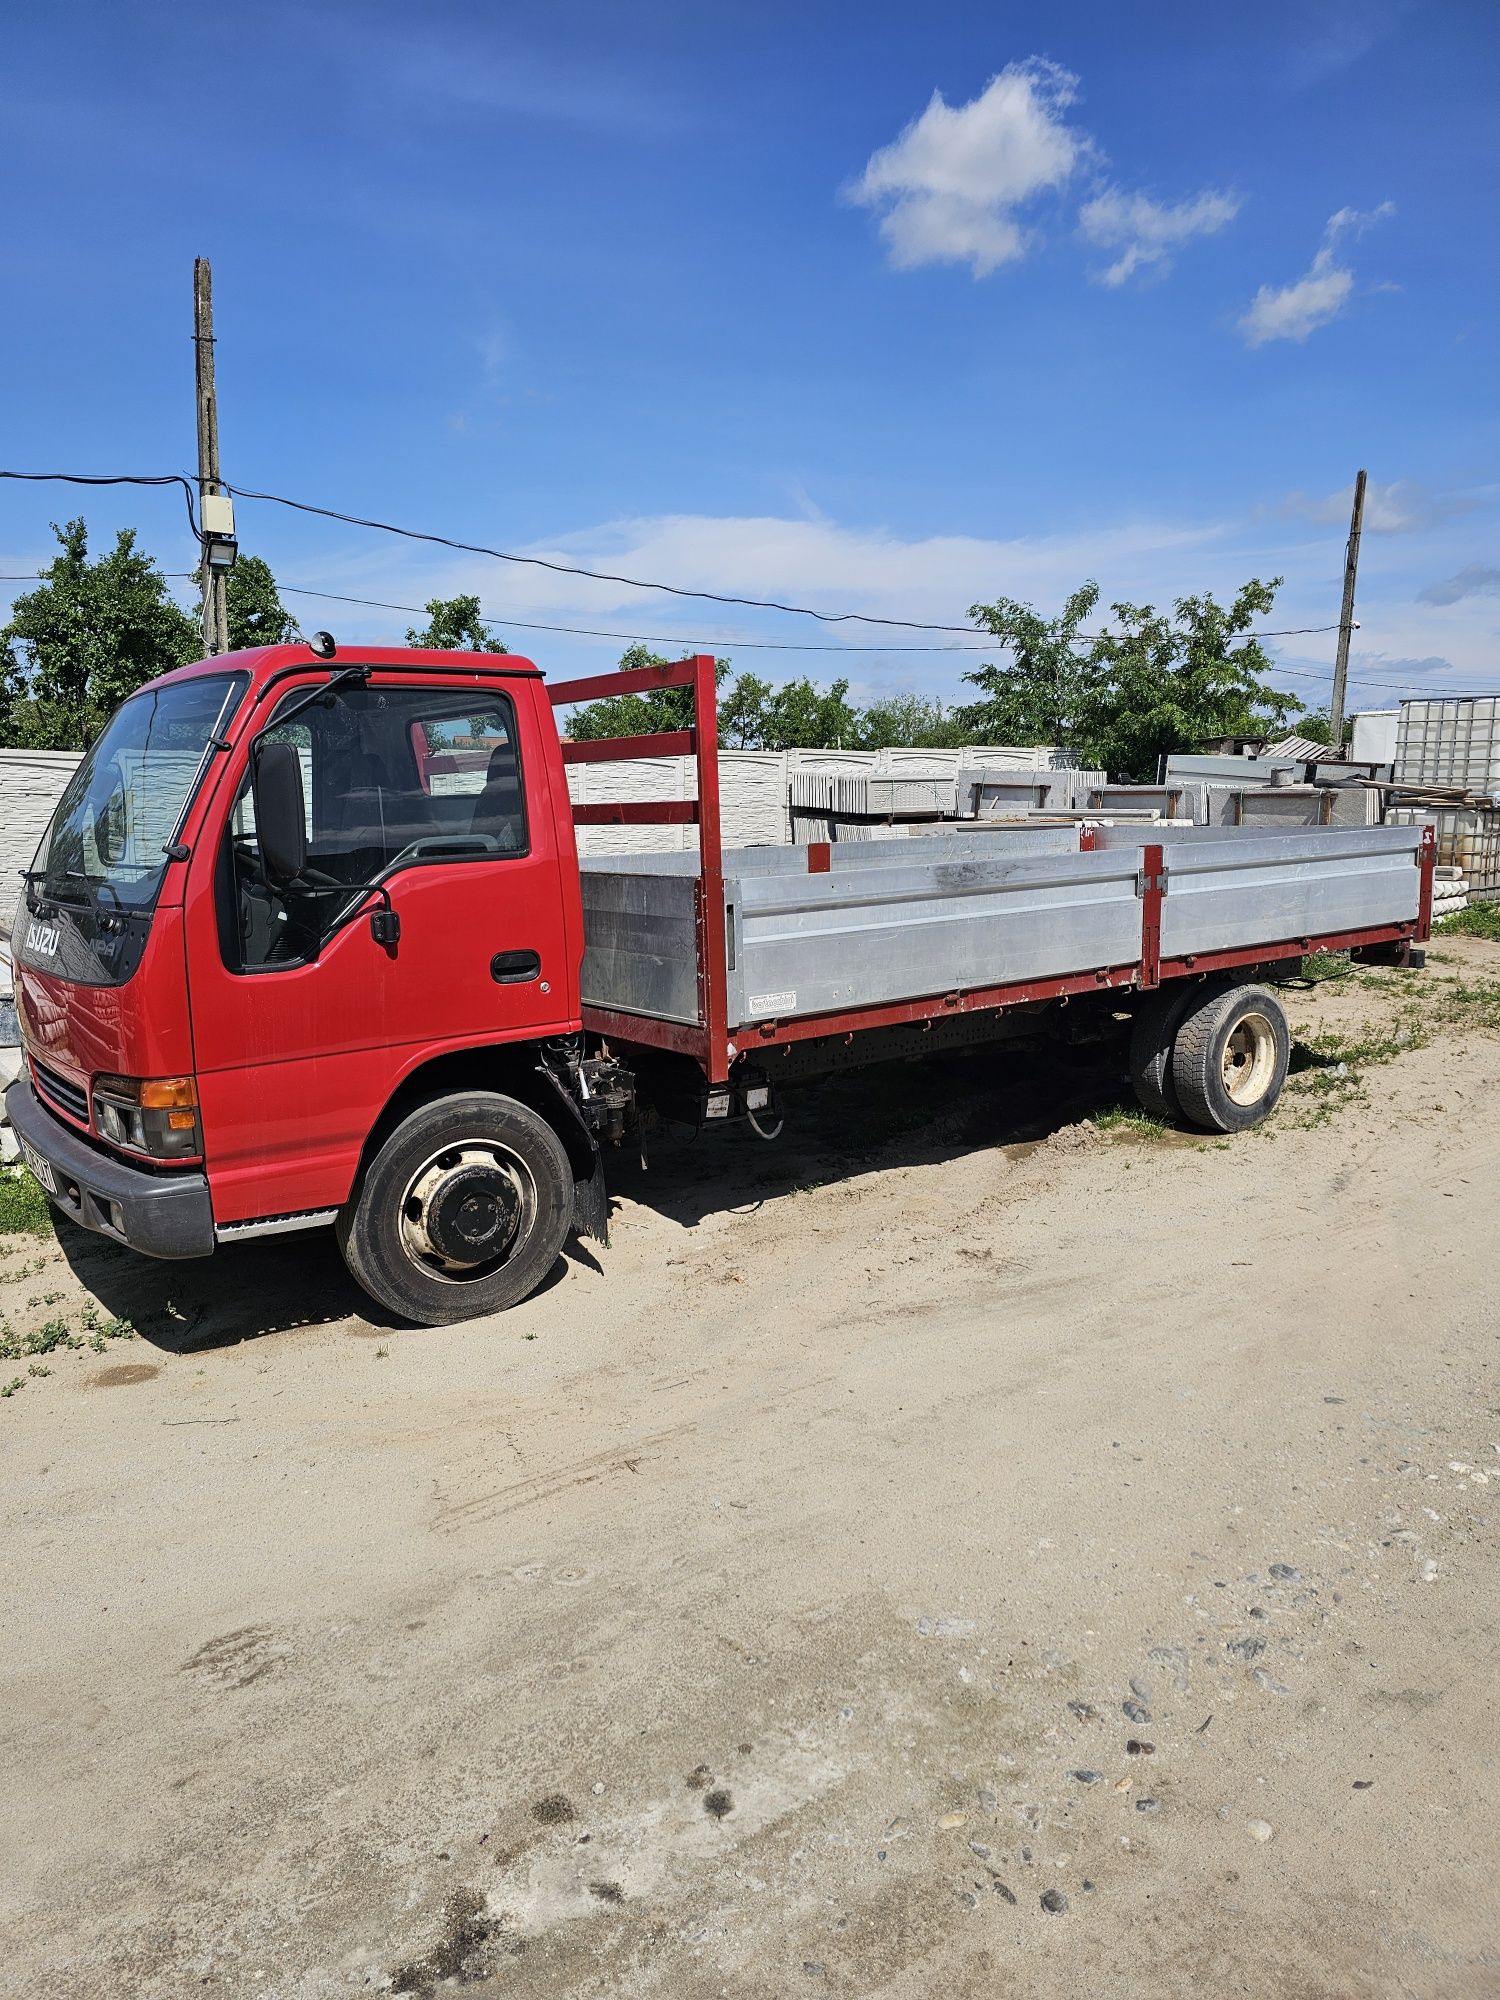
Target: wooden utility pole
1346, 616
215, 609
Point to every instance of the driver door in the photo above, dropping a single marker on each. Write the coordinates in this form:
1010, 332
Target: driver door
304, 1025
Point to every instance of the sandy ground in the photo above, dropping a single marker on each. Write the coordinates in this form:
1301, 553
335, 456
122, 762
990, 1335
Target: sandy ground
959, 1551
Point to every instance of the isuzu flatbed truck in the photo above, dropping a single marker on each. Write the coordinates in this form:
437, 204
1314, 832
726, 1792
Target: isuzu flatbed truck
308, 942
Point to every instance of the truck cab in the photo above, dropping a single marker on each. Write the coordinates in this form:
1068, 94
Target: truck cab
302, 945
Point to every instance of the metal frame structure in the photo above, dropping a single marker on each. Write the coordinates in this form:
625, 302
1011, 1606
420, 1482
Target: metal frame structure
708, 1041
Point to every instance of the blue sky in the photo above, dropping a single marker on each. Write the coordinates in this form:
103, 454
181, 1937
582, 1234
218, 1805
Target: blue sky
871, 306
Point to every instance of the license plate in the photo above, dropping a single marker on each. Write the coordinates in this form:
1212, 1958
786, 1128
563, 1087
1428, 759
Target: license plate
40, 1167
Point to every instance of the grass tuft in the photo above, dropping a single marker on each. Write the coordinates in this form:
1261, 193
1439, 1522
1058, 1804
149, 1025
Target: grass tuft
24, 1208
1128, 1120
1480, 920
1318, 967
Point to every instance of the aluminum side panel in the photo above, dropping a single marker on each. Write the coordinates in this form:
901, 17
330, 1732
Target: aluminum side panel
640, 942
858, 937
1223, 896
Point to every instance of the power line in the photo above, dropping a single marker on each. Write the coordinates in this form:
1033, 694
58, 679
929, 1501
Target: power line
778, 645
116, 479
636, 583
735, 644
561, 568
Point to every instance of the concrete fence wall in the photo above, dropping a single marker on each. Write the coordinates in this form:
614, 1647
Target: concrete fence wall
31, 783
754, 787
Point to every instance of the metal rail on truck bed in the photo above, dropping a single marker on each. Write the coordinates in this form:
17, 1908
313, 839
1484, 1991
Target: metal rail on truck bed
714, 957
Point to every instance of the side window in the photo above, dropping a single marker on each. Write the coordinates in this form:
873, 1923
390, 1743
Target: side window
393, 778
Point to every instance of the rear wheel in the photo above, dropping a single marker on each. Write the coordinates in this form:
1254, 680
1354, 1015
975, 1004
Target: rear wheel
462, 1211
1229, 1060
1152, 1034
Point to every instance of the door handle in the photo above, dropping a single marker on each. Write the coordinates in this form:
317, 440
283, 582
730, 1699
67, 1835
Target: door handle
514, 968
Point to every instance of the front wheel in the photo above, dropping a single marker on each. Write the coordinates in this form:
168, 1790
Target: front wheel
462, 1211
1230, 1057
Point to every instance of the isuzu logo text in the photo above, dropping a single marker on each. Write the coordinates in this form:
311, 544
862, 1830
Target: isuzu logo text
42, 938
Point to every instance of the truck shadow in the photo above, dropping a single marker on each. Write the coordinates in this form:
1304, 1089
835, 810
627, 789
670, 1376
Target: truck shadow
886, 1116
235, 1295
866, 1120
241, 1292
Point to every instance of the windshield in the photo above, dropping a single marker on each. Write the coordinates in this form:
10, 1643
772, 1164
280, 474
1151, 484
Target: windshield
125, 802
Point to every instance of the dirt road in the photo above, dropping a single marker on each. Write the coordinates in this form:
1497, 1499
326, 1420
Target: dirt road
962, 1551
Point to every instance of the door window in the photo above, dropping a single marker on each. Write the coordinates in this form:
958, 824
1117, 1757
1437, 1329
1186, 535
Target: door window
393, 778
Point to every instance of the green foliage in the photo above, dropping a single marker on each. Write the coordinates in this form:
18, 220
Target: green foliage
642, 711
1034, 697
87, 636
455, 626
1478, 920
911, 722
1155, 682
24, 1208
257, 616
755, 714
797, 715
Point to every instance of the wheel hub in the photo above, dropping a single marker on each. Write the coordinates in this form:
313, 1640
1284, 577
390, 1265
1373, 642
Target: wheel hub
1249, 1059
463, 1209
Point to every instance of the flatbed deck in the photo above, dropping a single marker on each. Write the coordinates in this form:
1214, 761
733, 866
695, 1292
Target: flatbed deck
717, 953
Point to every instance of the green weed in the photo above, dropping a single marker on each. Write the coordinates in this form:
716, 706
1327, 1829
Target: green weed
1461, 1004
9, 1388
24, 1208
1367, 1045
1127, 1120
57, 1333
1318, 967
1480, 920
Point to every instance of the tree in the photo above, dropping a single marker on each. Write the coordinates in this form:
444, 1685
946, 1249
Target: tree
797, 715
257, 616
90, 634
910, 722
1316, 725
1033, 697
641, 711
1154, 682
455, 626
1167, 681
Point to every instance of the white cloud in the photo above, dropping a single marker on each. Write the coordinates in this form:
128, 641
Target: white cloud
949, 187
1146, 231
1399, 508
1292, 312
840, 566
822, 563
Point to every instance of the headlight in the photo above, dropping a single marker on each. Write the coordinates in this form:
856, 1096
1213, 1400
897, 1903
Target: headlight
157, 1116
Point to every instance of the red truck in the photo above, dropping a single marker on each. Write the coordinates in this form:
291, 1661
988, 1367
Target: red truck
309, 942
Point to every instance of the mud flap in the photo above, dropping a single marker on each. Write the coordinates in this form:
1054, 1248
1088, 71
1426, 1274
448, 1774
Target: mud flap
591, 1205
590, 1196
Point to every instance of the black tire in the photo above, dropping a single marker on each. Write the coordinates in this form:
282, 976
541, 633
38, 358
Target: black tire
1152, 1034
1230, 1058
472, 1157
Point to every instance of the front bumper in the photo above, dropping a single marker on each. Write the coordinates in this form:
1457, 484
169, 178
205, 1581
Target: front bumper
162, 1215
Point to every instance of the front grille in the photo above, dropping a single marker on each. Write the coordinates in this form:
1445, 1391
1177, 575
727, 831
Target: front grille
58, 1091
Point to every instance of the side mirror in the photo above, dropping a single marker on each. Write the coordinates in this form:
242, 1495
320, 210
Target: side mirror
109, 827
280, 810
